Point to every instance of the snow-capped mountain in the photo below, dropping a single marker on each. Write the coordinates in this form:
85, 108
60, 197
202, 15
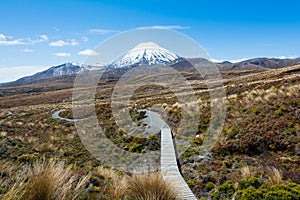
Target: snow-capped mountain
58, 71
147, 53
62, 70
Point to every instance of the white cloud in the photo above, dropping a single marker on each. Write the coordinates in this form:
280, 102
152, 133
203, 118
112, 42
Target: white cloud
279, 57
232, 61
61, 43
62, 54
239, 60
174, 27
27, 50
9, 41
243, 59
41, 39
88, 52
102, 31
2, 37
286, 57
44, 37
8, 74
215, 60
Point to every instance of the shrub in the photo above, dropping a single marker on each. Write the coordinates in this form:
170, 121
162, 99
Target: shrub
197, 141
255, 111
209, 186
279, 194
252, 181
289, 191
249, 193
138, 115
227, 189
136, 148
281, 111
281, 191
296, 102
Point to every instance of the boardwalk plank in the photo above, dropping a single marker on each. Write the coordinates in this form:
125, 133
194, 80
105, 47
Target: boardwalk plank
169, 166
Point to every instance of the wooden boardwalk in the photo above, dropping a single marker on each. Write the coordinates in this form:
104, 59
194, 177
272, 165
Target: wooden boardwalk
169, 167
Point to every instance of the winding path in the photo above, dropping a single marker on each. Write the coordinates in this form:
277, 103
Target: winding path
168, 159
55, 115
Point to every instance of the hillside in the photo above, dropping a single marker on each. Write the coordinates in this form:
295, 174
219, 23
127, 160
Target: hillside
261, 133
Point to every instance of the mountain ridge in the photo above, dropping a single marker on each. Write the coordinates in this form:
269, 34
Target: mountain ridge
147, 54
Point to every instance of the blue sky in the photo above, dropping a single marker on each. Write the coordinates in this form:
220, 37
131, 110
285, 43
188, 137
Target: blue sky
35, 35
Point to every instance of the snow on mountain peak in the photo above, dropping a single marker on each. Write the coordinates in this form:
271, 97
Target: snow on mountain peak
146, 45
148, 53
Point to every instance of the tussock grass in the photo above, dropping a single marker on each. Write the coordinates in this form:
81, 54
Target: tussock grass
246, 173
6, 167
274, 175
48, 181
150, 187
117, 182
7, 175
53, 181
138, 187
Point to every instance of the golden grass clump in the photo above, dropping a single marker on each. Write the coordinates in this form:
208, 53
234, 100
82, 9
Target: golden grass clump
246, 173
274, 175
270, 97
164, 105
47, 181
150, 187
117, 182
176, 106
